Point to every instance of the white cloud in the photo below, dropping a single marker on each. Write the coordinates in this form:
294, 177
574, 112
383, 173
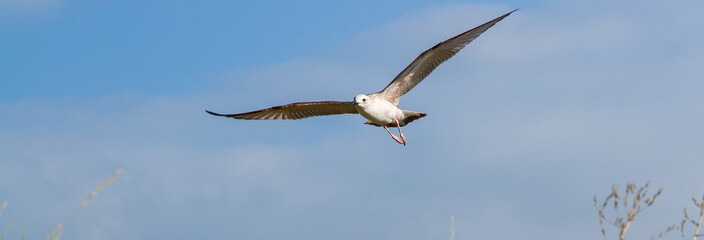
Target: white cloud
17, 7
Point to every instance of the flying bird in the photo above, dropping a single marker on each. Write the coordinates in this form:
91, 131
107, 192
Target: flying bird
379, 108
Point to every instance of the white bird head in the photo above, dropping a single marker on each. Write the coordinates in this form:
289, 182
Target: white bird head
362, 100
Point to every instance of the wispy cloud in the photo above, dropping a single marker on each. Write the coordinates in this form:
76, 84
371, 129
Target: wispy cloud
10, 8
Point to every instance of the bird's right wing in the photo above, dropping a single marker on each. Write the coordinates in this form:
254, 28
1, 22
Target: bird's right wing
293, 111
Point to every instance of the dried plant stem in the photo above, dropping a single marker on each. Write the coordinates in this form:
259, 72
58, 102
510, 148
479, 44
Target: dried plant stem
452, 227
631, 216
6, 230
699, 222
2, 207
624, 229
626, 206
53, 232
59, 230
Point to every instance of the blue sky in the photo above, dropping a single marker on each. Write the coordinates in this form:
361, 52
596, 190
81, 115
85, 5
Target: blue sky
552, 105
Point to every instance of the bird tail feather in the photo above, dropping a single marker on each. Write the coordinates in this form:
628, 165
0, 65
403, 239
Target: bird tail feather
408, 117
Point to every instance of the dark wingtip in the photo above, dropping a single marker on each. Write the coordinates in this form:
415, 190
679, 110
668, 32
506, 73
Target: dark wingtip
215, 114
509, 13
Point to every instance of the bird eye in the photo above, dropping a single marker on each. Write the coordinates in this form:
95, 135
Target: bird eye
364, 100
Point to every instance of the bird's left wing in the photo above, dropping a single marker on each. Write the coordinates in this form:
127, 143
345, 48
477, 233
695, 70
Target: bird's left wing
293, 111
424, 64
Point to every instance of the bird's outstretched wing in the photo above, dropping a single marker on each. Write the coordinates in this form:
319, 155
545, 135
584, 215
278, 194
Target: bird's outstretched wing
427, 61
295, 111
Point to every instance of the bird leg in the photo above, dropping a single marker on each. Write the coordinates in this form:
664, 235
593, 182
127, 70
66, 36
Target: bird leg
400, 133
393, 136
401, 140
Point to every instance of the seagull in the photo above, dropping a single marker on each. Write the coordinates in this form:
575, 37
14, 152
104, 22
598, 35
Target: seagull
378, 108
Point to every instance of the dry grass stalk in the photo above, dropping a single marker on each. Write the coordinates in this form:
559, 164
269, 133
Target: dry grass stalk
4, 204
632, 202
7, 229
53, 232
452, 227
59, 230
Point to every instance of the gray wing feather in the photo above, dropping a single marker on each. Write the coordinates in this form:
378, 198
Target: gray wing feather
427, 61
293, 111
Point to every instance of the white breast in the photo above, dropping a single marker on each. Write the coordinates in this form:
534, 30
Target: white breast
380, 111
